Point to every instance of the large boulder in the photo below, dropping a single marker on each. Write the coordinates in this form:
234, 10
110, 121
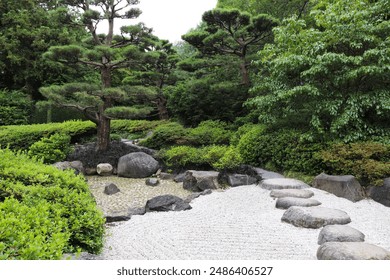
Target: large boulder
198, 181
314, 217
339, 233
137, 165
302, 193
166, 203
351, 251
345, 186
381, 194
235, 180
283, 183
193, 196
287, 202
104, 169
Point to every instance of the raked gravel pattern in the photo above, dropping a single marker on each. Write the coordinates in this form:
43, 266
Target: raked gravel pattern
238, 223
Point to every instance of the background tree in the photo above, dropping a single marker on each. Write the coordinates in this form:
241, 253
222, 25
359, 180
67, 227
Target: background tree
232, 32
331, 81
105, 53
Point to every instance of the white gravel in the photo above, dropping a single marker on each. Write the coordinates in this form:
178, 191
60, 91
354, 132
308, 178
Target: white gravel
240, 223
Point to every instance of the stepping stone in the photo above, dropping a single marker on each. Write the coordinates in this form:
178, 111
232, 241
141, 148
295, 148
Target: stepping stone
292, 193
120, 216
351, 251
287, 202
265, 174
283, 183
314, 217
339, 233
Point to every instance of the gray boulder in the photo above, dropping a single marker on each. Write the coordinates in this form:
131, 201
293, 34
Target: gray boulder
345, 186
283, 183
76, 165
137, 165
179, 178
152, 182
198, 181
120, 216
166, 203
351, 251
339, 233
302, 193
111, 189
287, 202
235, 180
381, 194
314, 217
265, 174
104, 169
193, 196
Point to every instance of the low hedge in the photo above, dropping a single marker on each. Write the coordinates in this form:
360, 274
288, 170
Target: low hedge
21, 137
45, 212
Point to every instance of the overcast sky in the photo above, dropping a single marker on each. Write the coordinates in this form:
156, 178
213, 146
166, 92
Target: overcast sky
170, 18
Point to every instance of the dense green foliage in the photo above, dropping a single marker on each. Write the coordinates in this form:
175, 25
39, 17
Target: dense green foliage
23, 136
331, 80
52, 149
58, 213
369, 162
189, 157
15, 108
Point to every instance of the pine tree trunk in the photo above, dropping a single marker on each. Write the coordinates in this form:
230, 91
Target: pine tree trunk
162, 107
245, 73
104, 123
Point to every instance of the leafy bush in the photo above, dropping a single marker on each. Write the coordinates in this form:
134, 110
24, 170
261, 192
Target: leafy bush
23, 136
217, 157
45, 212
133, 129
279, 151
369, 162
15, 107
210, 133
167, 134
52, 149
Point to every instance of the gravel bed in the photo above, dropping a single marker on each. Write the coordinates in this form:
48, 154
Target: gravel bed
238, 223
133, 192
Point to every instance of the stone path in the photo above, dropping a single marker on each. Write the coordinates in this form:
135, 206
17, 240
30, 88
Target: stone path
239, 223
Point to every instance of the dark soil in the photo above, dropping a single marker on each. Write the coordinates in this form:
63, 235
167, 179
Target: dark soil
90, 158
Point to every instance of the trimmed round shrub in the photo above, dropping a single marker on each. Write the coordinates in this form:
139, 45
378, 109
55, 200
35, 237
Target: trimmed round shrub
52, 149
45, 212
210, 133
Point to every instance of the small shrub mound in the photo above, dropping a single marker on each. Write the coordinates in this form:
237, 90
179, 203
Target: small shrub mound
168, 134
45, 212
52, 149
210, 133
369, 162
188, 157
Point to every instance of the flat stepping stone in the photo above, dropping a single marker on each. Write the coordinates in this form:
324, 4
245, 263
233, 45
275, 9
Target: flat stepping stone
283, 183
339, 233
314, 217
351, 251
292, 193
287, 202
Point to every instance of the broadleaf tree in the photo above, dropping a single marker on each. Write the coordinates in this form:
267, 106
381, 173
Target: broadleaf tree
332, 80
105, 54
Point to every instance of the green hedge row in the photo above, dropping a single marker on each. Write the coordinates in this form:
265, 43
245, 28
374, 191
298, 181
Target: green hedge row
45, 212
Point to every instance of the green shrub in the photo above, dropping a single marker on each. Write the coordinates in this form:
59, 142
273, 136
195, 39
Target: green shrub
66, 217
210, 133
280, 151
15, 107
230, 159
23, 136
236, 136
167, 134
52, 149
182, 156
132, 129
369, 162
